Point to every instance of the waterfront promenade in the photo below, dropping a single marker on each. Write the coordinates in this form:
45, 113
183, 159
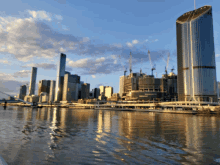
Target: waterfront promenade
161, 107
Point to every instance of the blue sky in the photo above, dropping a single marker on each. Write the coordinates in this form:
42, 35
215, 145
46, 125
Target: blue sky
97, 37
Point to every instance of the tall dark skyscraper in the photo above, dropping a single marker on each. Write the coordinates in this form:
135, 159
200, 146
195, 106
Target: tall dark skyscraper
23, 91
33, 81
196, 56
60, 77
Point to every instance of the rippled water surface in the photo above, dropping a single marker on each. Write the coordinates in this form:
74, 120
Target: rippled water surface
70, 136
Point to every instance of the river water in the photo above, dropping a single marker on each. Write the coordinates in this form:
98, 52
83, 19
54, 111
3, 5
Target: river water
80, 136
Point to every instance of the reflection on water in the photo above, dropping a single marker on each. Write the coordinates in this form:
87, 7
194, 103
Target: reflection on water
69, 136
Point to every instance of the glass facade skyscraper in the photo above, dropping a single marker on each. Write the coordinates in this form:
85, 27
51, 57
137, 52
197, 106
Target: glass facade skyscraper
33, 81
196, 56
60, 77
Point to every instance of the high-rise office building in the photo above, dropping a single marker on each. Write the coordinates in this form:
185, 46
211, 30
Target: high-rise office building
80, 89
121, 86
33, 81
52, 90
70, 87
102, 90
23, 91
95, 93
108, 91
85, 91
44, 86
60, 77
196, 56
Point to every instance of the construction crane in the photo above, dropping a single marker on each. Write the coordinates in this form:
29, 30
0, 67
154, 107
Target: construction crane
125, 72
152, 67
168, 58
130, 63
172, 69
141, 66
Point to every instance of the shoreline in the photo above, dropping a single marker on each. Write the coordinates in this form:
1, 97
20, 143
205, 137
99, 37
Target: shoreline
113, 108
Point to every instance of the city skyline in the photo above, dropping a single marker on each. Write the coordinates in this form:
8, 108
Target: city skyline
97, 44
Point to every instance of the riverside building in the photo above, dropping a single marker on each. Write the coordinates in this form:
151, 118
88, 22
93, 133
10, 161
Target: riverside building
52, 91
60, 77
139, 86
70, 87
196, 56
23, 91
44, 86
33, 81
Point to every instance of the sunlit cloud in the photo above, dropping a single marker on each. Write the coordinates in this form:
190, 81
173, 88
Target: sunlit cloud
129, 44
42, 15
135, 42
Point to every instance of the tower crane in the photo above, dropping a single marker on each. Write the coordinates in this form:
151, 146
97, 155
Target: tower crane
172, 69
130, 63
125, 72
141, 66
152, 67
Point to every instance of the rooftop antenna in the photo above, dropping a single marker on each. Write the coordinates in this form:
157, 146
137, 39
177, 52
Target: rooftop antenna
130, 61
195, 4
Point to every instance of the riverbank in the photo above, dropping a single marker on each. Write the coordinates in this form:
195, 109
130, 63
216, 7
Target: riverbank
163, 108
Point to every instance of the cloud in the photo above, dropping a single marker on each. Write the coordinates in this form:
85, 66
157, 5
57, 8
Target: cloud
93, 76
5, 77
29, 38
22, 73
135, 42
129, 44
41, 15
151, 41
4, 61
86, 62
99, 60
155, 40
91, 66
46, 66
217, 55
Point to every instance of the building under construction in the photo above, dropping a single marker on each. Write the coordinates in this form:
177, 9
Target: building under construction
139, 86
